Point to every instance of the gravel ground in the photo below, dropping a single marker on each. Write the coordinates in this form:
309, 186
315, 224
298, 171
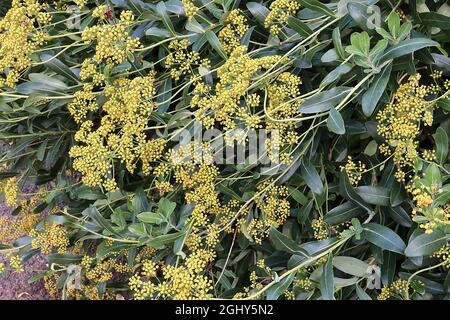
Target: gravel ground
15, 285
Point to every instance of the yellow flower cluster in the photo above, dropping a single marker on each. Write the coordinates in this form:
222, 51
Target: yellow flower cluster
443, 254
103, 271
181, 60
190, 9
304, 284
354, 170
183, 282
274, 207
399, 122
89, 71
2, 267
274, 203
257, 280
11, 189
100, 12
283, 104
282, 93
235, 78
289, 294
60, 5
280, 10
50, 286
15, 262
150, 151
121, 134
401, 15
189, 155
81, 3
233, 31
320, 229
84, 102
12, 228
429, 155
20, 37
398, 289
89, 292
52, 236
426, 213
163, 187
200, 186
229, 211
145, 253
149, 268
113, 43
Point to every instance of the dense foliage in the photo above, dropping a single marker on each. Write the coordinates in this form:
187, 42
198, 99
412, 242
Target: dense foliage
343, 195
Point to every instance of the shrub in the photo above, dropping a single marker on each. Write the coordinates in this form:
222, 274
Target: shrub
227, 149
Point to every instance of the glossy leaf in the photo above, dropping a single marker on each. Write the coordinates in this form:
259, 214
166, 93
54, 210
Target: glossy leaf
324, 101
327, 280
383, 237
349, 193
425, 244
277, 290
441, 141
335, 123
284, 243
373, 94
407, 47
344, 212
311, 176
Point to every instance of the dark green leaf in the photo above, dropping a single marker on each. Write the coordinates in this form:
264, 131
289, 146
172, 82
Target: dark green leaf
161, 9
397, 195
324, 101
336, 74
335, 123
407, 47
338, 43
151, 217
362, 295
434, 19
278, 288
304, 211
327, 280
349, 193
259, 11
298, 196
166, 207
351, 265
59, 67
374, 195
441, 141
300, 27
343, 212
100, 220
399, 215
383, 237
316, 6
425, 244
284, 243
162, 240
371, 97
363, 15
64, 258
215, 43
311, 176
